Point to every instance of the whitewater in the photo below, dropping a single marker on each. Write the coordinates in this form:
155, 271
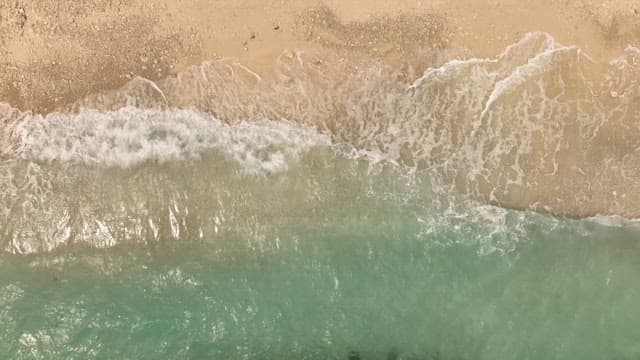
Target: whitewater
474, 209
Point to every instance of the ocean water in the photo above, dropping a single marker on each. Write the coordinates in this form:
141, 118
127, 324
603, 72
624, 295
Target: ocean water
479, 209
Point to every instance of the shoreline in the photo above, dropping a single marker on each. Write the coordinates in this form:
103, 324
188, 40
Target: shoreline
545, 164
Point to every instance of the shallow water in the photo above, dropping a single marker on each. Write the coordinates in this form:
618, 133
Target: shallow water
198, 260
133, 225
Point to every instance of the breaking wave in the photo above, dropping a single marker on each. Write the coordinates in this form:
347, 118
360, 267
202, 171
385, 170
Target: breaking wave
539, 127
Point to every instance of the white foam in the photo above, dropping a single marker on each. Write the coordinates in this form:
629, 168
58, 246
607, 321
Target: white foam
537, 65
131, 136
494, 127
525, 48
630, 57
614, 221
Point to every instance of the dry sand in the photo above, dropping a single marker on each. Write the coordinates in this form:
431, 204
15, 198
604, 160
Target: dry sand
55, 51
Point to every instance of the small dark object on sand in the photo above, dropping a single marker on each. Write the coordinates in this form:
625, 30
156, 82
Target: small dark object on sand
22, 17
353, 355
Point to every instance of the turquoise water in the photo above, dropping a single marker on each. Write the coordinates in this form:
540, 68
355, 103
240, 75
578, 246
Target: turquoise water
332, 256
337, 213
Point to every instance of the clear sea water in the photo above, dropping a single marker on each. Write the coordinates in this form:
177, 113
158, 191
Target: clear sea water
137, 231
315, 264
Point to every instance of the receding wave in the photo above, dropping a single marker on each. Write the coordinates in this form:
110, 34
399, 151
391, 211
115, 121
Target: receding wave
540, 126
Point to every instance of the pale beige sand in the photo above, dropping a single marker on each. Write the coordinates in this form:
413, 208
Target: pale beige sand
55, 51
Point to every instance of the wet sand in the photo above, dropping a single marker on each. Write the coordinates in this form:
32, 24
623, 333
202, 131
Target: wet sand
54, 52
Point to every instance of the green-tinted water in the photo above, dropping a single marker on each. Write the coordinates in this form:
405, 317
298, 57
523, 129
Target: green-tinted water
185, 219
332, 256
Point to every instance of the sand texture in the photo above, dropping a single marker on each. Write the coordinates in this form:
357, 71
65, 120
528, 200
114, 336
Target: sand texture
519, 104
53, 52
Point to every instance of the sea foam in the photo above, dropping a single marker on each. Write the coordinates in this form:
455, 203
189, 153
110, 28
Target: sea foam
540, 126
130, 136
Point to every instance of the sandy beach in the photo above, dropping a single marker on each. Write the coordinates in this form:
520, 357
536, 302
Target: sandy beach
569, 154
54, 52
